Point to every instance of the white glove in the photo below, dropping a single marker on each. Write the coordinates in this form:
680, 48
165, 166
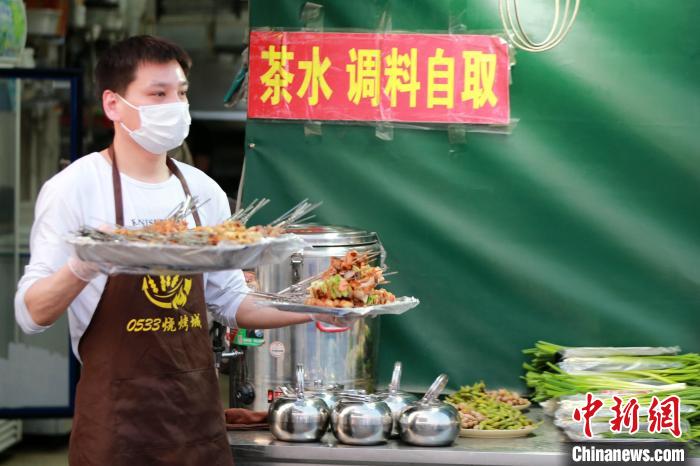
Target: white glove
86, 271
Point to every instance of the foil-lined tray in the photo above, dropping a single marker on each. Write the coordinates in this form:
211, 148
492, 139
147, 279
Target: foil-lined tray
134, 257
399, 306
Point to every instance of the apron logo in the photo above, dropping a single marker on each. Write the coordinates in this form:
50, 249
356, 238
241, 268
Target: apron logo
170, 293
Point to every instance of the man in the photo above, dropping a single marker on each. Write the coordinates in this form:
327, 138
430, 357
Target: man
148, 392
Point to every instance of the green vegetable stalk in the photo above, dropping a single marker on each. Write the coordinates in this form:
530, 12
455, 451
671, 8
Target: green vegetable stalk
482, 412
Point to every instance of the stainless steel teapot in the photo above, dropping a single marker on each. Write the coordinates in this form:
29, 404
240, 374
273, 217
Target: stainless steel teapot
430, 422
298, 418
396, 399
361, 420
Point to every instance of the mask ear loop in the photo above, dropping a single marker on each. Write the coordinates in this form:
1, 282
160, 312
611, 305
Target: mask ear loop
132, 106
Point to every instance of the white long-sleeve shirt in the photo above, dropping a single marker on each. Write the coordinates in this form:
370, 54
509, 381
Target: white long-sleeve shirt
82, 194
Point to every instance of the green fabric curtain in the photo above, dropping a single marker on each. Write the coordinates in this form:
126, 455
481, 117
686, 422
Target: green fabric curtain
581, 227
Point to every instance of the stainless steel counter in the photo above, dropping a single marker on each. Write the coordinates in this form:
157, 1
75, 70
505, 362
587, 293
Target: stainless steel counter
542, 448
259, 448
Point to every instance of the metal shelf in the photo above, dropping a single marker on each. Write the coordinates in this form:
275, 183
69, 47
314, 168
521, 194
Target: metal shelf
10, 433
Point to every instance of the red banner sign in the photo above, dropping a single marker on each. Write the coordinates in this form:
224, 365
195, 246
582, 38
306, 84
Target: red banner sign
430, 78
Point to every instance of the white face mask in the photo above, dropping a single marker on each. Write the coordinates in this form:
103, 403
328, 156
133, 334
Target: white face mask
163, 126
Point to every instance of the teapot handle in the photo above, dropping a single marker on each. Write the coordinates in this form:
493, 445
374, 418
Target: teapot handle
435, 389
395, 378
300, 381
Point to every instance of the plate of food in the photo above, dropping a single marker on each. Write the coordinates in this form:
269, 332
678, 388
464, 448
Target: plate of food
498, 433
350, 286
484, 414
169, 245
523, 406
399, 306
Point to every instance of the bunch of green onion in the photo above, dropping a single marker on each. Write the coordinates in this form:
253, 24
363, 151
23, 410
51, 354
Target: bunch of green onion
548, 380
679, 375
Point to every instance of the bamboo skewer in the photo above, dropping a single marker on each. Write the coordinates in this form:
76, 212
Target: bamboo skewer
179, 234
294, 214
245, 214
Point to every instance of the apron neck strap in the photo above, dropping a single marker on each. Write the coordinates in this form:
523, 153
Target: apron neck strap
117, 186
176, 171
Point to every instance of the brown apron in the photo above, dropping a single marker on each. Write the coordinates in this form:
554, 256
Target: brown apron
148, 392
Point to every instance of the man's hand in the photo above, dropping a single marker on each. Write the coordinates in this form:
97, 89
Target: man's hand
252, 315
337, 321
86, 271
48, 298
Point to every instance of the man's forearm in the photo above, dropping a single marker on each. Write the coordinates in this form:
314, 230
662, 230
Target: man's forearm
250, 315
49, 297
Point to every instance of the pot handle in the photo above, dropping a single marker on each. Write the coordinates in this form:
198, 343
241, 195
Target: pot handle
331, 329
297, 261
435, 389
395, 378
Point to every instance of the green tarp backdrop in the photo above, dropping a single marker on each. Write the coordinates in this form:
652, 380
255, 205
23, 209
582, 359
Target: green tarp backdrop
581, 227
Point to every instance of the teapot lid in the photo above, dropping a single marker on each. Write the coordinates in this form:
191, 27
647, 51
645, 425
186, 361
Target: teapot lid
318, 387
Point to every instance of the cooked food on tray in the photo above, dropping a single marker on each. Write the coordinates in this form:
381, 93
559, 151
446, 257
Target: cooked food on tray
350, 286
350, 282
172, 231
169, 244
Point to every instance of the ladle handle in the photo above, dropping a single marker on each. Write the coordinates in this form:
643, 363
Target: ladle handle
435, 389
395, 378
